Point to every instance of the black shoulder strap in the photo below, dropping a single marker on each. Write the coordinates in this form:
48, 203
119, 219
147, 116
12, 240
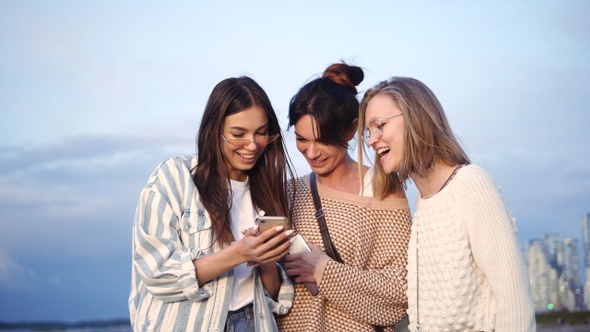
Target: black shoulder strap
319, 215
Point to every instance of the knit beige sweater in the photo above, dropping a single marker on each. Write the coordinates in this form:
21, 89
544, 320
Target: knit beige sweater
370, 288
469, 274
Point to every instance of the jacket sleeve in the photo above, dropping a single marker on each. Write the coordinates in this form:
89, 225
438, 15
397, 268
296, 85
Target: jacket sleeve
284, 302
376, 294
160, 258
495, 248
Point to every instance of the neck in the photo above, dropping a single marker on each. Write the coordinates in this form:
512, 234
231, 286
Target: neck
433, 182
345, 177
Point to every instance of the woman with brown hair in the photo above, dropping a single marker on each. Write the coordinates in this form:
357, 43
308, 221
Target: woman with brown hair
361, 284
199, 262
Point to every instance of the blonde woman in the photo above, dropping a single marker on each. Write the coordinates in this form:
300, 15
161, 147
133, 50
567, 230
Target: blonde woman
465, 271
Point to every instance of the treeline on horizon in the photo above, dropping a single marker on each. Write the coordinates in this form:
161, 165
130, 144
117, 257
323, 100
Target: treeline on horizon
54, 325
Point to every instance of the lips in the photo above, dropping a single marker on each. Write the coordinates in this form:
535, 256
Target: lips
247, 158
383, 151
316, 162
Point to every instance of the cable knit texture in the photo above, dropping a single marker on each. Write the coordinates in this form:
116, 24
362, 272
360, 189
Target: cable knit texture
471, 274
370, 288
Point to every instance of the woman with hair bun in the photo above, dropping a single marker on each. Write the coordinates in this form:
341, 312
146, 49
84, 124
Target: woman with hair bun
360, 285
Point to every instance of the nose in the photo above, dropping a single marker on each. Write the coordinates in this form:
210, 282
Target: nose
312, 151
372, 140
252, 146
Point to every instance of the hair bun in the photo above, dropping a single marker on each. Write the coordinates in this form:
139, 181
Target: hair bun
347, 76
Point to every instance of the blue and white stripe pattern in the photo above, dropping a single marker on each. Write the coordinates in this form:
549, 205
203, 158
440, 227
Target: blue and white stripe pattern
171, 229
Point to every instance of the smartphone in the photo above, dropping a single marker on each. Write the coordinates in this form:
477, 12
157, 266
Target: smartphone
267, 222
299, 245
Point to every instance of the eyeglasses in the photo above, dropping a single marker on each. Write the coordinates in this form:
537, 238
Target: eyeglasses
375, 127
261, 141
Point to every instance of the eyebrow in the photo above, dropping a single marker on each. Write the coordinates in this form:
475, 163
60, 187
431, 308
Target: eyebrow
265, 126
299, 135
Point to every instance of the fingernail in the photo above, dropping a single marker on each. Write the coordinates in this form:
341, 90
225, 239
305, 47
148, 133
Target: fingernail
292, 240
289, 232
279, 228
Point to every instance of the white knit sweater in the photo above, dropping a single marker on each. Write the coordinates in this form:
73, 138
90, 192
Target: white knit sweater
471, 274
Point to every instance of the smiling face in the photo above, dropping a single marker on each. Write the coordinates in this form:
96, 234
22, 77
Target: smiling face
252, 123
388, 131
322, 158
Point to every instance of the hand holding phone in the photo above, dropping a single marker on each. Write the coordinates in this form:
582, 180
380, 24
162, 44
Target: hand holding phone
267, 222
298, 244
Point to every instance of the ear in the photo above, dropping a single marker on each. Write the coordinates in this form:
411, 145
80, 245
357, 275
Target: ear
352, 129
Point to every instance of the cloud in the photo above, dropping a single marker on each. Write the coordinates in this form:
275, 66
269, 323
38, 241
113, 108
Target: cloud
15, 277
60, 195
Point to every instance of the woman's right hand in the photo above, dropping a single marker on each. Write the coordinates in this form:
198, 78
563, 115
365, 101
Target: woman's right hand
255, 249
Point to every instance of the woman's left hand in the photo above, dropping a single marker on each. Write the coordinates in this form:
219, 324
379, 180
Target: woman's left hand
302, 265
274, 244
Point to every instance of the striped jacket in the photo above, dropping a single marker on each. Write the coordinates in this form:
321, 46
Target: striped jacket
171, 229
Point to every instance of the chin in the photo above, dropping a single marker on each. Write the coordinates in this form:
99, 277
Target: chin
388, 169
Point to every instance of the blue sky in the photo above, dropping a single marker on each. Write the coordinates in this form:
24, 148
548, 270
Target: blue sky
93, 95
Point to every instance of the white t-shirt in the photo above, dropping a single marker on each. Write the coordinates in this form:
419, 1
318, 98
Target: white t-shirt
368, 184
243, 216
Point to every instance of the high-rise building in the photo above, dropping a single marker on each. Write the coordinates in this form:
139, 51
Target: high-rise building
552, 246
554, 271
570, 274
586, 239
543, 277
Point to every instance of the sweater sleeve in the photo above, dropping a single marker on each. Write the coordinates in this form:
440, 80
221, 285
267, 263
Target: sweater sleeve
160, 258
376, 294
496, 251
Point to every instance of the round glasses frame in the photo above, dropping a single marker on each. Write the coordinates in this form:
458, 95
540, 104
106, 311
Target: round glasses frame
261, 141
376, 130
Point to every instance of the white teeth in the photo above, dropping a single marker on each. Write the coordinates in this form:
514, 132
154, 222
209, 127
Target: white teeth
381, 151
247, 156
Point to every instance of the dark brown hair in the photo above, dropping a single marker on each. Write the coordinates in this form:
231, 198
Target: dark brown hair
268, 178
331, 101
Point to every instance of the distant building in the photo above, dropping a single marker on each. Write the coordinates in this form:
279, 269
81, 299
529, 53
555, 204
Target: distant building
554, 271
543, 277
571, 274
586, 239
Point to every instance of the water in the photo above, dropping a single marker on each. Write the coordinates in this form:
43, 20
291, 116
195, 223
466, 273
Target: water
93, 329
563, 328
541, 328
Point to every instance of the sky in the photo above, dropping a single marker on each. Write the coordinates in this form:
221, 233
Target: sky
94, 94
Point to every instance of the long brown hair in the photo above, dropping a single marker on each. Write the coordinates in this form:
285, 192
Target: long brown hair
268, 178
428, 136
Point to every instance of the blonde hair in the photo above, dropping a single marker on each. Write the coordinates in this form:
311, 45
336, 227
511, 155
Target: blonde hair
427, 137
